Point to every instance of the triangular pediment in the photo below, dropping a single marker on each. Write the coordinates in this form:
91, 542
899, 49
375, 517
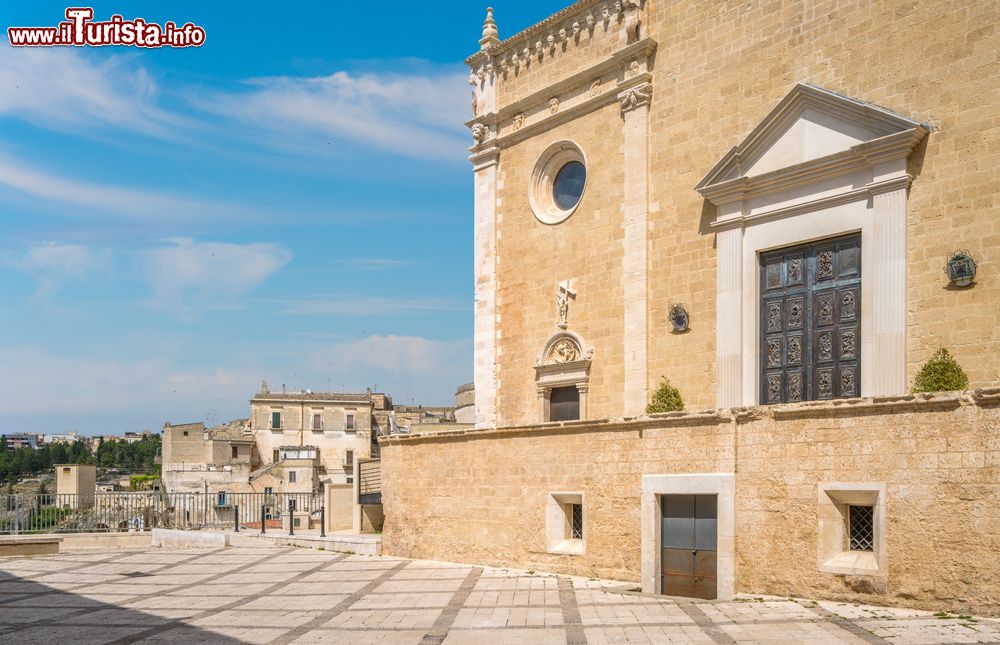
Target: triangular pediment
809, 124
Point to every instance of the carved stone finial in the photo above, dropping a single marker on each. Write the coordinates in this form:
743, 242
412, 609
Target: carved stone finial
491, 36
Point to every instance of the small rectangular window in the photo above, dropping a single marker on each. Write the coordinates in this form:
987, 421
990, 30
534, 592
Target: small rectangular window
275, 420
349, 458
185, 433
317, 421
564, 404
236, 452
221, 500
576, 513
275, 456
291, 476
268, 490
350, 422
862, 527
296, 521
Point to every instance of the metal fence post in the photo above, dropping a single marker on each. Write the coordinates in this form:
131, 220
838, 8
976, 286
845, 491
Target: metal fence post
17, 514
236, 513
322, 521
263, 525
291, 517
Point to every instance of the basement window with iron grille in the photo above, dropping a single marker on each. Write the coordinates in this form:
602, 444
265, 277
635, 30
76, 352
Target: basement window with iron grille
577, 521
861, 523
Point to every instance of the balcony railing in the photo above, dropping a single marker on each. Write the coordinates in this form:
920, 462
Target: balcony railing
114, 511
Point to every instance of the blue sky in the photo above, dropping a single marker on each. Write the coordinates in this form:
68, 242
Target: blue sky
290, 202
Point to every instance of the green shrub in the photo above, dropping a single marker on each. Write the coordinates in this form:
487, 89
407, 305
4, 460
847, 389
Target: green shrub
666, 399
941, 373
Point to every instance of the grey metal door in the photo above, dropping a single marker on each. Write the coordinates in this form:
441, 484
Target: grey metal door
689, 545
810, 322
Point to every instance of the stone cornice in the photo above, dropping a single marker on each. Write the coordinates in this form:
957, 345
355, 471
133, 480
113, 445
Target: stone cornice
927, 403
879, 121
583, 92
862, 155
550, 33
868, 190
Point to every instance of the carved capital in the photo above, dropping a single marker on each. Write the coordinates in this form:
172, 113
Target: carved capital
636, 97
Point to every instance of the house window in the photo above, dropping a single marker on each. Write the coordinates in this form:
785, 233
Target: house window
349, 459
564, 404
350, 422
564, 523
275, 456
852, 529
268, 490
295, 522
317, 421
576, 521
275, 420
221, 500
291, 476
236, 452
810, 314
861, 520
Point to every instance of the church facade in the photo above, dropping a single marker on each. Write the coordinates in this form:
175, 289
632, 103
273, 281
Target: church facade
782, 208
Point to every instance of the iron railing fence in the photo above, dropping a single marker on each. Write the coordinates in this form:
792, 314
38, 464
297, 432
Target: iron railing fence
118, 511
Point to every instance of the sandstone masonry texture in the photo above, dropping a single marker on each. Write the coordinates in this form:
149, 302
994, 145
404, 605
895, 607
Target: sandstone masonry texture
939, 458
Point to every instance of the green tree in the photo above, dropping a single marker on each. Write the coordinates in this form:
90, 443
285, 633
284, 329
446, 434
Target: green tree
667, 398
941, 373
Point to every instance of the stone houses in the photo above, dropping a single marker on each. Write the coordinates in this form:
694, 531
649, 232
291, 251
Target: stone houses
784, 208
197, 459
293, 442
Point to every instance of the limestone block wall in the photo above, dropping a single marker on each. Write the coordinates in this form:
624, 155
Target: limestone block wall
719, 68
184, 444
533, 258
938, 458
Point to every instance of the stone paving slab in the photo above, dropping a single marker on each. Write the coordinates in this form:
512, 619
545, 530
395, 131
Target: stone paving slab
278, 595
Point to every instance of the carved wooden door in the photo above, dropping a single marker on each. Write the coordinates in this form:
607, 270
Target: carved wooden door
810, 322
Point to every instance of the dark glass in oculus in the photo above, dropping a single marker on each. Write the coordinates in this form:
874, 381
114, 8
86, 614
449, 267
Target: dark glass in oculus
568, 186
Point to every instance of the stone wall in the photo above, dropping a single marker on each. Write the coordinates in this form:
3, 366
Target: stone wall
720, 67
938, 457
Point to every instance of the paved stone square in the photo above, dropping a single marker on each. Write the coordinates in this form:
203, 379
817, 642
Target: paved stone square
268, 594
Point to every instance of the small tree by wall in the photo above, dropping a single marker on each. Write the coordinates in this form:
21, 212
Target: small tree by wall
941, 373
667, 398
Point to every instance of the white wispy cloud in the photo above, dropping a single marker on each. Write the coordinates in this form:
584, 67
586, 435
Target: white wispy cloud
48, 388
215, 273
417, 115
51, 264
66, 89
100, 391
409, 355
106, 199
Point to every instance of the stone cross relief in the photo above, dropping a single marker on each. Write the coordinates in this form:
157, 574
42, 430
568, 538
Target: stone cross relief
564, 294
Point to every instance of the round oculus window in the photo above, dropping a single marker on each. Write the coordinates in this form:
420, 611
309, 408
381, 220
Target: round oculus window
558, 182
567, 189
